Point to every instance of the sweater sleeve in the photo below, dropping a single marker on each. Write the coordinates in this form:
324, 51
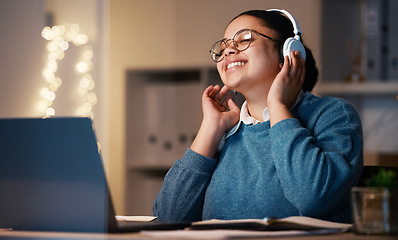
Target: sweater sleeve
318, 161
181, 197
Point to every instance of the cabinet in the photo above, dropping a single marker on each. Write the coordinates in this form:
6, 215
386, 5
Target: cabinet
163, 114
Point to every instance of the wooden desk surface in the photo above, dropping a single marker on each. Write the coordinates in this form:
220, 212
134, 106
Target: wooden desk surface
75, 236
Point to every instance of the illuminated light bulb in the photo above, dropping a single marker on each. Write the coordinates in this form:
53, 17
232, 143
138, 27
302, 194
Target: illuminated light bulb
87, 107
50, 111
82, 67
52, 66
64, 45
68, 36
60, 55
52, 56
82, 39
46, 73
71, 35
42, 105
75, 27
62, 29
80, 111
58, 81
81, 90
50, 96
52, 46
59, 38
92, 98
50, 78
91, 85
53, 87
84, 82
47, 34
52, 69
88, 54
44, 92
55, 84
88, 76
56, 30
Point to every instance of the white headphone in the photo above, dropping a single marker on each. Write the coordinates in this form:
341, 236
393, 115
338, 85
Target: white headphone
293, 43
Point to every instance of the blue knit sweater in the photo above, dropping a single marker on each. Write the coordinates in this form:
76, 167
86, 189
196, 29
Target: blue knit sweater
304, 166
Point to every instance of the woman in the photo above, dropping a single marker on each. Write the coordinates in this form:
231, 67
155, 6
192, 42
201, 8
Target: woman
285, 153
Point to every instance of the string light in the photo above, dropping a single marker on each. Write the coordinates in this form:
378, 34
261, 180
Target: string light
60, 37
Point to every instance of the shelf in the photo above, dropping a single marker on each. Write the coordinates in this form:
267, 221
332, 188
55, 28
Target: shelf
145, 166
370, 159
381, 159
370, 88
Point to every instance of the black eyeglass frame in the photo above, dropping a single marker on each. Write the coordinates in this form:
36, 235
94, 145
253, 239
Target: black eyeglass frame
225, 40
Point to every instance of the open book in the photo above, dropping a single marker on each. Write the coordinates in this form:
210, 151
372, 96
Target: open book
122, 218
271, 224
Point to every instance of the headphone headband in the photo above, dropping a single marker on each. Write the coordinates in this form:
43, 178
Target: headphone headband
296, 26
292, 43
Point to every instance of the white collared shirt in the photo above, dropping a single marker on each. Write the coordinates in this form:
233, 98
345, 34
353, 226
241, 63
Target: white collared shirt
249, 120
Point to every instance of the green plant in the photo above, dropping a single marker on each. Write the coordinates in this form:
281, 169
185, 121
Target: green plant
383, 178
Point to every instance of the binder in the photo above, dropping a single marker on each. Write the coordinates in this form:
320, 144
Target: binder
392, 40
375, 28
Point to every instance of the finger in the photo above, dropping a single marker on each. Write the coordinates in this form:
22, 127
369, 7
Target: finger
207, 91
224, 103
297, 66
221, 94
232, 105
294, 61
300, 67
285, 71
303, 73
301, 63
214, 91
224, 90
286, 65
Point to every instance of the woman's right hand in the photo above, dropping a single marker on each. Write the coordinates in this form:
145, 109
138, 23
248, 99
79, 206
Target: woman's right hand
216, 120
215, 110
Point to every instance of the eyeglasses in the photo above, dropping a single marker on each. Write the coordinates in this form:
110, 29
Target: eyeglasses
241, 41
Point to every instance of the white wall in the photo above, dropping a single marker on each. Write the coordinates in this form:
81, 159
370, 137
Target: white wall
21, 56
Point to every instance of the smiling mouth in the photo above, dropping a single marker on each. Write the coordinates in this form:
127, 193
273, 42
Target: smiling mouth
234, 64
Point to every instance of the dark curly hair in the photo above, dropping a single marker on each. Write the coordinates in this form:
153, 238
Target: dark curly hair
284, 30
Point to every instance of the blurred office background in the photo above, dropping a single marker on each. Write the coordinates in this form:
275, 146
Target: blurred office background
139, 68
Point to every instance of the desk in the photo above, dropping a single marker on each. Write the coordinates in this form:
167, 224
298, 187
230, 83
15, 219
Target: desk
5, 234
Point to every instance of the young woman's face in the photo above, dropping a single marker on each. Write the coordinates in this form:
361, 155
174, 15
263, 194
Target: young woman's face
257, 65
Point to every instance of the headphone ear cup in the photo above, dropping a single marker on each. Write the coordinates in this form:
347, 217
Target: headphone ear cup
292, 44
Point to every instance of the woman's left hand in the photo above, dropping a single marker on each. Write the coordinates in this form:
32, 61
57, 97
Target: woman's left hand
286, 88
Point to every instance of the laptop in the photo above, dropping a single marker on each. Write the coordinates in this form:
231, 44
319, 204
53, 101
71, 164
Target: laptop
52, 179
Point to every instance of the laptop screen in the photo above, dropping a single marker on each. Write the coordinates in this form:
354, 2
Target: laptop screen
51, 176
